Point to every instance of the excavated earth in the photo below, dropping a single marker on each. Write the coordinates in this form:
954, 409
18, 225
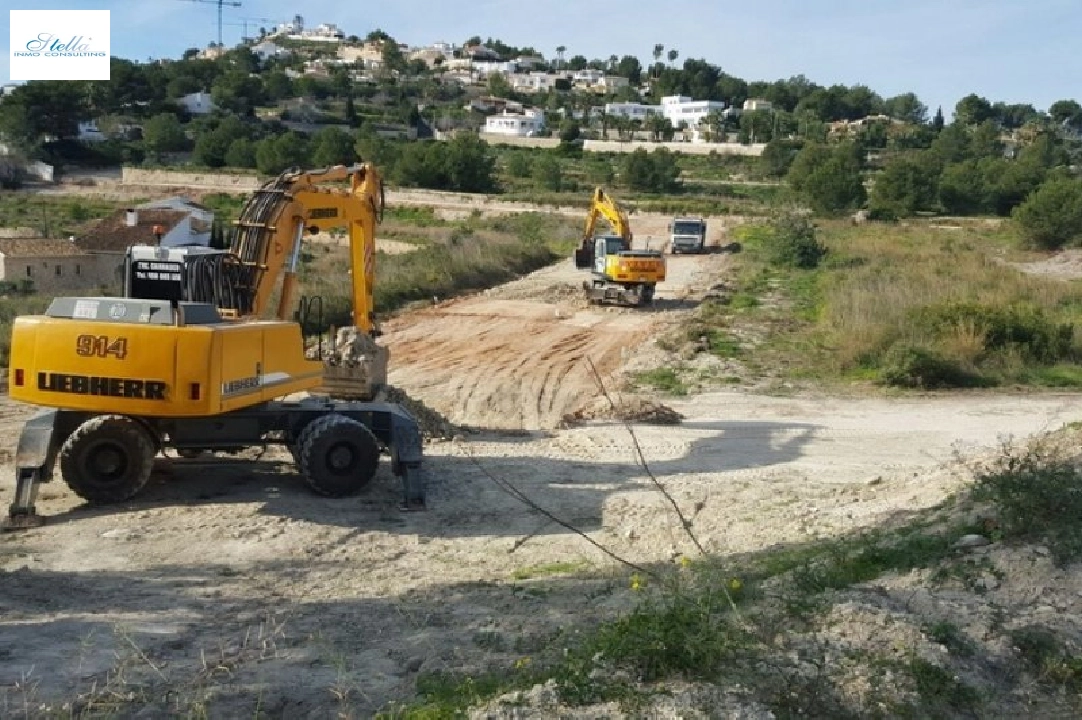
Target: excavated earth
228, 590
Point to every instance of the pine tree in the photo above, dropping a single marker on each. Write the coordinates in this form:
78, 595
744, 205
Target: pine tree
937, 121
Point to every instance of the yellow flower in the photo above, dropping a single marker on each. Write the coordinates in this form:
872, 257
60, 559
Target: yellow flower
685, 561
636, 582
735, 585
522, 662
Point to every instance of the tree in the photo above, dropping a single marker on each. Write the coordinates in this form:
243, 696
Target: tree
962, 188
238, 92
972, 110
164, 133
498, 85
547, 173
630, 67
470, 166
937, 121
656, 171
518, 164
570, 137
659, 50
1066, 112
907, 184
829, 180
778, 155
1052, 216
560, 50
333, 146
907, 108
672, 55
241, 154
44, 108
275, 154
660, 127
756, 126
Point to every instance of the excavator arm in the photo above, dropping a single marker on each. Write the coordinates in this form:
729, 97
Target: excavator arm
602, 205
270, 231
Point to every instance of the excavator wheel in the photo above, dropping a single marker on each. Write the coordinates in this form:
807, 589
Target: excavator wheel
108, 459
337, 455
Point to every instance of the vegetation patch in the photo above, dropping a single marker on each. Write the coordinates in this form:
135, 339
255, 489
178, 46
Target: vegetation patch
907, 306
666, 380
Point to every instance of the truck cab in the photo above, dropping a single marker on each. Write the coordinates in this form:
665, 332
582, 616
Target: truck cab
687, 234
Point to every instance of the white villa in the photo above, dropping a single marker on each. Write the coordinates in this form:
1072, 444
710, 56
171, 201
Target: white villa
527, 123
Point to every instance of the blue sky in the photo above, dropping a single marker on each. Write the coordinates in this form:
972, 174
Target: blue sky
1006, 50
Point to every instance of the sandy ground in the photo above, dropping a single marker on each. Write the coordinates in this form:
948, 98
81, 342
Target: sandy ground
227, 587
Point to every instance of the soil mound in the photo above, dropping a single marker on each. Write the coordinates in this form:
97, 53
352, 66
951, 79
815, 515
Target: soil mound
627, 409
433, 424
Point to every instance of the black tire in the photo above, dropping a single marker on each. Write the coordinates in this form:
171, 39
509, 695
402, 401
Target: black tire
337, 455
647, 296
107, 459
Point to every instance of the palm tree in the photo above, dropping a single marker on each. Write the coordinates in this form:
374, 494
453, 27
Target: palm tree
560, 50
659, 50
673, 54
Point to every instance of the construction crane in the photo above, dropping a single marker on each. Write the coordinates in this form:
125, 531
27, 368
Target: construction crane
246, 21
219, 3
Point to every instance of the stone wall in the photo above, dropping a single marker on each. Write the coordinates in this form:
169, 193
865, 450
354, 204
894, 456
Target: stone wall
223, 182
689, 148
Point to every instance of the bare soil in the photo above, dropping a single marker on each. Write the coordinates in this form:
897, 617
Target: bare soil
227, 588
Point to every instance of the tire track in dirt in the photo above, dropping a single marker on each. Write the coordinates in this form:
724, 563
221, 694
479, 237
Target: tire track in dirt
513, 370
514, 358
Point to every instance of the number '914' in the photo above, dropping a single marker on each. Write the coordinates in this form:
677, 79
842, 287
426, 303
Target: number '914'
101, 346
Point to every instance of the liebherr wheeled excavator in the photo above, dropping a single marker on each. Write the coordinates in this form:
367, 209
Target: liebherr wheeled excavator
188, 359
621, 275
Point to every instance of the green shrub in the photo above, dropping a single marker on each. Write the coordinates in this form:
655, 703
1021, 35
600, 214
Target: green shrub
917, 367
1051, 216
1024, 327
792, 241
1037, 496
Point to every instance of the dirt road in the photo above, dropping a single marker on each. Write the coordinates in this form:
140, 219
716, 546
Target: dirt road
228, 588
518, 356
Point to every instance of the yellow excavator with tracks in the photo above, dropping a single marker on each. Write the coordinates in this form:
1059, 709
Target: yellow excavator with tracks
188, 359
620, 274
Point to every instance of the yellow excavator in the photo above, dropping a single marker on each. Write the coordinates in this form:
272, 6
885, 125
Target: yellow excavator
187, 359
621, 275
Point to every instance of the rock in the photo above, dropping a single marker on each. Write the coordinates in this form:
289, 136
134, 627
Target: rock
972, 541
414, 664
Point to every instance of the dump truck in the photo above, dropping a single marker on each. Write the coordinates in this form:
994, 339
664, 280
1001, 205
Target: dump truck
687, 235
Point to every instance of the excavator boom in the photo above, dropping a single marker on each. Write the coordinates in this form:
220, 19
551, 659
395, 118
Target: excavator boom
271, 227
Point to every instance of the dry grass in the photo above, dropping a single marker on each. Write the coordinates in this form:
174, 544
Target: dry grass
914, 305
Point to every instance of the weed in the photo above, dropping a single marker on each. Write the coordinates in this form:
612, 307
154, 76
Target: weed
917, 367
556, 568
940, 690
1037, 494
1047, 656
666, 380
951, 637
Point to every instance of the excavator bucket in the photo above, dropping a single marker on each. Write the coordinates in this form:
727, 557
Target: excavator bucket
584, 256
355, 367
